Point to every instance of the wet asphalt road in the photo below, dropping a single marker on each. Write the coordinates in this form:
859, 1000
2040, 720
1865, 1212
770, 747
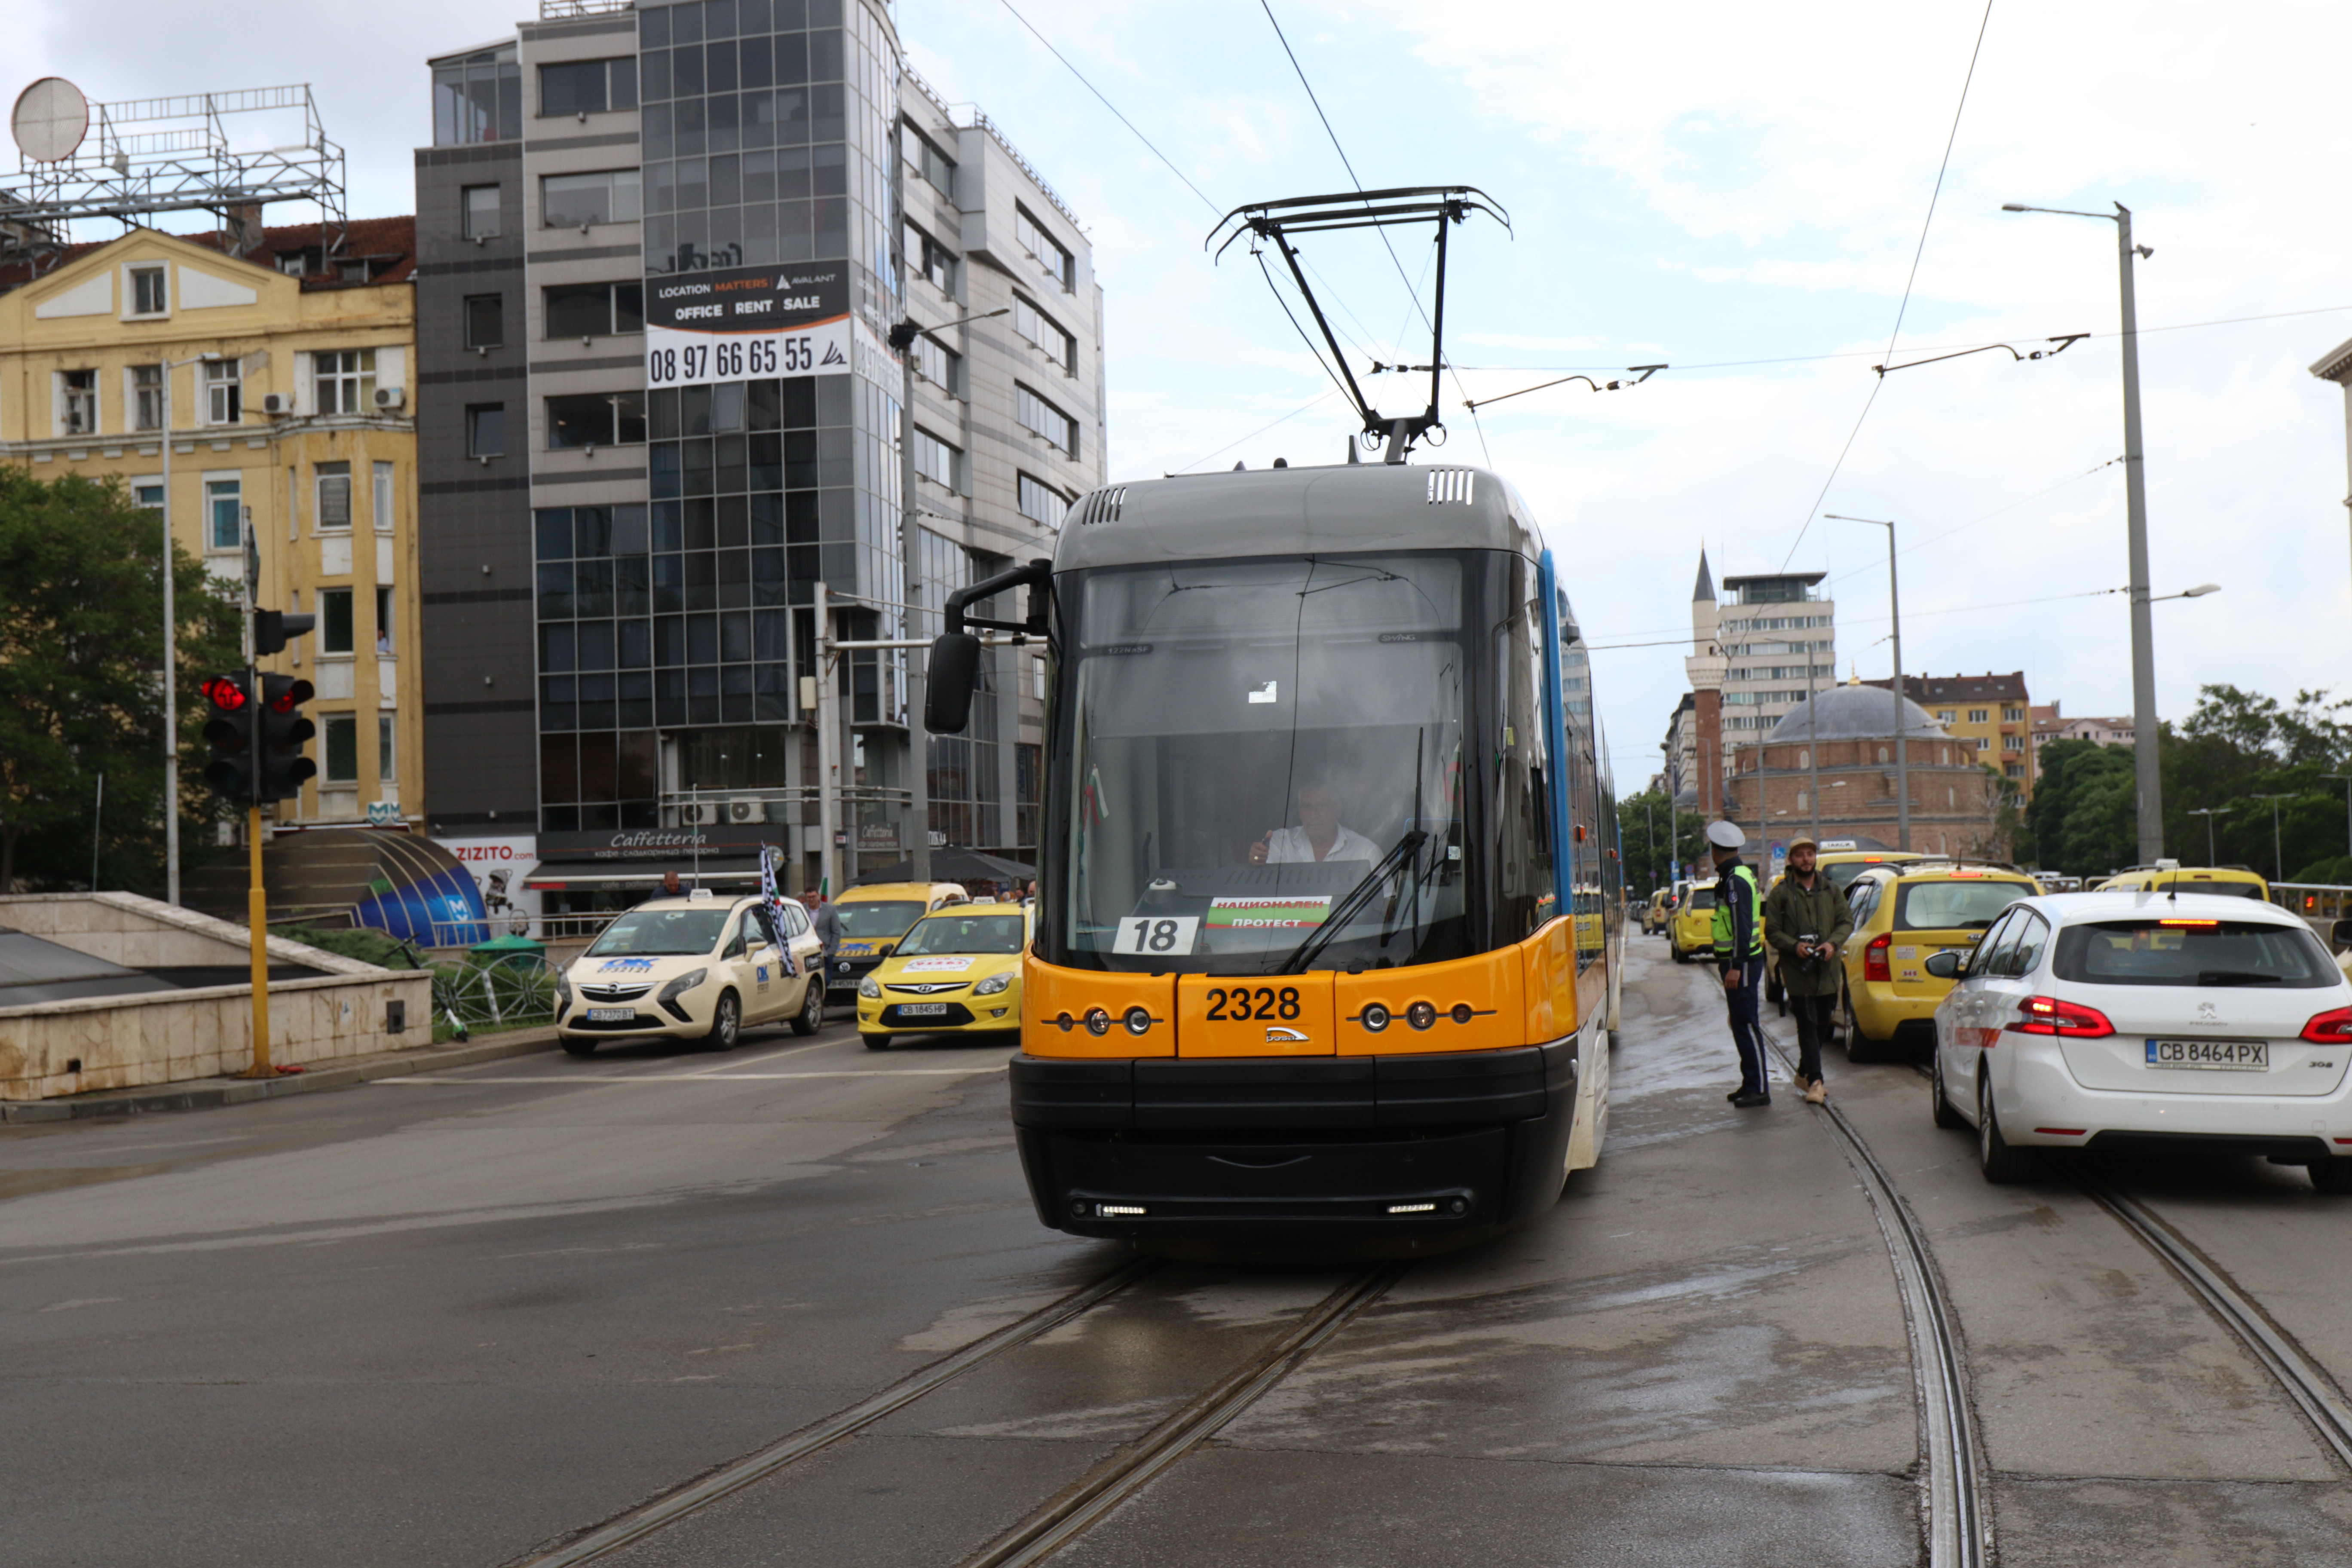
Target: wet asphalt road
455, 1321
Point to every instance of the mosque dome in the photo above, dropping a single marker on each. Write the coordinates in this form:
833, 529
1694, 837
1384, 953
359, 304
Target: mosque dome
1854, 712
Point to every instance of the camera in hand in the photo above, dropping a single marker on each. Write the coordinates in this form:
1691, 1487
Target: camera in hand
1809, 948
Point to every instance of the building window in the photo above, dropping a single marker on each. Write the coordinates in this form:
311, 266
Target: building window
486, 321
224, 391
1041, 329
481, 217
936, 365
1979, 715
2014, 770
1948, 716
575, 201
935, 459
80, 410
341, 748
596, 419
587, 86
2013, 742
147, 294
1041, 503
930, 162
1044, 248
387, 763
148, 493
477, 98
928, 258
334, 620
595, 309
2013, 715
382, 509
486, 429
1036, 414
334, 481
1983, 742
345, 379
146, 397
224, 516
384, 620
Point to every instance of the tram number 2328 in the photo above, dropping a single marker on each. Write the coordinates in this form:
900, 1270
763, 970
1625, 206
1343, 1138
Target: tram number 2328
792, 355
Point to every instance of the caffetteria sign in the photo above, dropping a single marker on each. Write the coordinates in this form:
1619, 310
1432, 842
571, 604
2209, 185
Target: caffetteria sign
752, 321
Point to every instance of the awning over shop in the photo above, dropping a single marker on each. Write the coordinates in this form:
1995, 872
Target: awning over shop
731, 871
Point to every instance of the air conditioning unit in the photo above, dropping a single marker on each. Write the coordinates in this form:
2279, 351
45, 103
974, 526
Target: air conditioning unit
744, 811
703, 813
390, 397
277, 405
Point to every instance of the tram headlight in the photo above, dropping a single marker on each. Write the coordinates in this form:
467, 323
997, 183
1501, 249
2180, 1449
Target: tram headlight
1374, 1018
1421, 1015
1138, 1021
1098, 1021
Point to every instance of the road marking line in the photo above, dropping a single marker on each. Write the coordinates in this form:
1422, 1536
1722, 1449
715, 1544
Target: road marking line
753, 1062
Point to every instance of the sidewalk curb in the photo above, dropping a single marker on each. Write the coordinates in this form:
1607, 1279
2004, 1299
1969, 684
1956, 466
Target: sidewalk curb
216, 1092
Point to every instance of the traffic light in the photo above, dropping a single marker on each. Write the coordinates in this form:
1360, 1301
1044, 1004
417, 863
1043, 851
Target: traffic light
272, 629
284, 729
230, 732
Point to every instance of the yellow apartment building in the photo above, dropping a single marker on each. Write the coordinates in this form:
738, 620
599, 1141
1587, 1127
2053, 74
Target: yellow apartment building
290, 407
1991, 715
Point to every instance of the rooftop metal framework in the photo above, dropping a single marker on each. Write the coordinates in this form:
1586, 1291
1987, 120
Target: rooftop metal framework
153, 156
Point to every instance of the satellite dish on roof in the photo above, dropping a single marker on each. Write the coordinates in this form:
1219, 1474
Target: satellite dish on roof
51, 119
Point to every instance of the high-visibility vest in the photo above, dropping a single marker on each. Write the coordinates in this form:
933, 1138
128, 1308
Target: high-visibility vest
1723, 918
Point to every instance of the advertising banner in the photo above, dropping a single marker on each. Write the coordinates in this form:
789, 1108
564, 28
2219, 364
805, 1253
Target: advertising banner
498, 867
752, 321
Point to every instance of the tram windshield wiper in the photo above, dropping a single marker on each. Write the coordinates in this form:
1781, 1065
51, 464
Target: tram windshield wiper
1345, 909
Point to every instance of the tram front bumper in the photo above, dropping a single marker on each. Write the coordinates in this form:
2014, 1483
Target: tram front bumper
1366, 1146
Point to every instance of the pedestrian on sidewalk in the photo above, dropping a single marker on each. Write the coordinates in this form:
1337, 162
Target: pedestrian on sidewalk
1806, 921
1739, 955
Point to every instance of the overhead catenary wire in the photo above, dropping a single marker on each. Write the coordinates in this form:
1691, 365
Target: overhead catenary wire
1912, 277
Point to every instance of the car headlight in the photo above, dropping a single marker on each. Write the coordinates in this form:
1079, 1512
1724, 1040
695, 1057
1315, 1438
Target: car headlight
869, 987
682, 985
995, 983
563, 994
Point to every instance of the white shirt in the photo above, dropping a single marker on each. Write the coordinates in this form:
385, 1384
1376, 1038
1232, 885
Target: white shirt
1290, 845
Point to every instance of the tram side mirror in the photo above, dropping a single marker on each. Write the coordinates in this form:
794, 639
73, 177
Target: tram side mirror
954, 671
1944, 965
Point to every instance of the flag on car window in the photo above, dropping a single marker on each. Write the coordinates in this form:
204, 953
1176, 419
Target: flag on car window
772, 908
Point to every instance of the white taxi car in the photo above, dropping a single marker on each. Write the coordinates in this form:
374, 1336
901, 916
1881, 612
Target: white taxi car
2137, 1020
697, 968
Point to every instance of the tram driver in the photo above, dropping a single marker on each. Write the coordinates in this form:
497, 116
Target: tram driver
1320, 835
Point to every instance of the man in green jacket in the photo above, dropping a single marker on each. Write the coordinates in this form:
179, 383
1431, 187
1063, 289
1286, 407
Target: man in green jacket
1806, 919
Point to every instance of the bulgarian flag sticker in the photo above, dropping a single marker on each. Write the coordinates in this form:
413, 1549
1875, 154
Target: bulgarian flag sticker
1297, 913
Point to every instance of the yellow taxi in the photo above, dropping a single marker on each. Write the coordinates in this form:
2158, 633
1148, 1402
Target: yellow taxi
1654, 914
2170, 876
874, 918
1691, 930
1904, 914
954, 973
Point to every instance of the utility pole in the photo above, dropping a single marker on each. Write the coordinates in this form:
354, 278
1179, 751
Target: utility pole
829, 765
2347, 807
2208, 812
1902, 746
2149, 781
2278, 854
918, 745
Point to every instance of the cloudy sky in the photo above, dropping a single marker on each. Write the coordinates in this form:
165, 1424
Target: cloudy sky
1708, 185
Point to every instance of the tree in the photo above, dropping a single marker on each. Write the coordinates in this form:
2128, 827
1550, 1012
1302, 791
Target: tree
80, 635
2085, 816
2238, 747
1647, 816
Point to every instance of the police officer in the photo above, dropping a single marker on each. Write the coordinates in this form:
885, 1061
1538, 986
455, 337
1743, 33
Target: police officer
1739, 954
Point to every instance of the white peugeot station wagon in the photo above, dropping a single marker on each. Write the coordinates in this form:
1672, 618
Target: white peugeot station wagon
697, 968
2143, 1021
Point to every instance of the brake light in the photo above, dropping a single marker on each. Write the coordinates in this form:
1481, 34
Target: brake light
2049, 1015
1873, 959
2333, 1027
2193, 925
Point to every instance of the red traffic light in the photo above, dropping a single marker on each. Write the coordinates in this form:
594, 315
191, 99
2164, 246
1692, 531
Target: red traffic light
296, 693
224, 692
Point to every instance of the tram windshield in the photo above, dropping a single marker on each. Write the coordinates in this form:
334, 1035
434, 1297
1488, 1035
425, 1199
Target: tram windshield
1267, 764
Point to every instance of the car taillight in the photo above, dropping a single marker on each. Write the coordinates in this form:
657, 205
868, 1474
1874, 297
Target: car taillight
2333, 1027
1874, 959
2049, 1015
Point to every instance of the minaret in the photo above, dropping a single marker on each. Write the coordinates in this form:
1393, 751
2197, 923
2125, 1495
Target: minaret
1705, 668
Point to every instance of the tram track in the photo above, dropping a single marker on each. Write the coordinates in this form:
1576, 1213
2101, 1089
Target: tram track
650, 1518
1957, 1497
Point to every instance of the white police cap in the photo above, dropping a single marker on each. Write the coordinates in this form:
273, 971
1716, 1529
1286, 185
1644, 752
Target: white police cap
1724, 835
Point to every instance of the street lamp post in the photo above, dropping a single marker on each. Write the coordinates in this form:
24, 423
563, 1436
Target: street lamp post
2208, 812
172, 653
2144, 731
1902, 748
2278, 856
